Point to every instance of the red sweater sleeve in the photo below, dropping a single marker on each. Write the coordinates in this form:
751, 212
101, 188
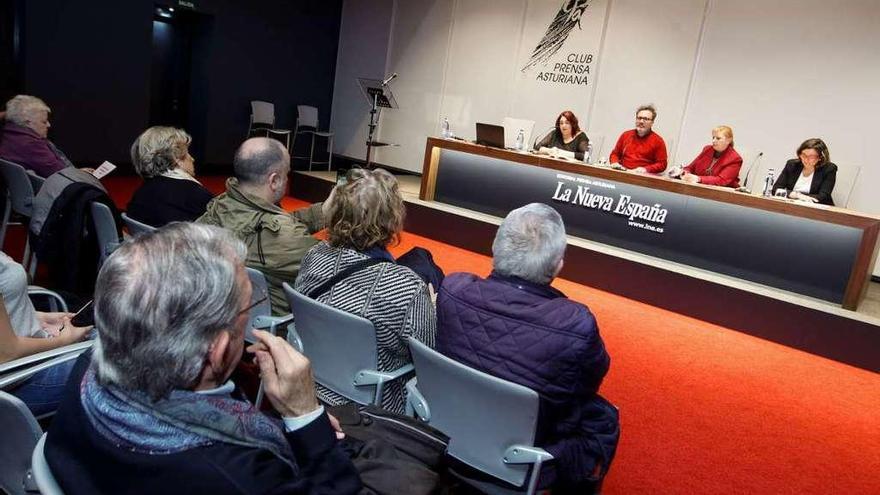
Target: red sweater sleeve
618, 149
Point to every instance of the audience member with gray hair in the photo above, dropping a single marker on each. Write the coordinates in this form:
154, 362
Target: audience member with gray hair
24, 138
156, 411
170, 191
277, 240
515, 326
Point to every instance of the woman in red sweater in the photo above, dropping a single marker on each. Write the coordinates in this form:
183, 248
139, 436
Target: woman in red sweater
718, 164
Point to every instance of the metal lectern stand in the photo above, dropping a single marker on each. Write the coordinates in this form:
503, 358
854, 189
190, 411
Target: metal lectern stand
378, 95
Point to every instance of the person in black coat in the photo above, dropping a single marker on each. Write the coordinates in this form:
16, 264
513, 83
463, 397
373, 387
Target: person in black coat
811, 176
170, 192
156, 411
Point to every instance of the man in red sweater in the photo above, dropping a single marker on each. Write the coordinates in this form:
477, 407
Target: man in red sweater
641, 149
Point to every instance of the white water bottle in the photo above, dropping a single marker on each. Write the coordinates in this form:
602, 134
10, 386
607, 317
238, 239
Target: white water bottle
444, 128
589, 154
768, 182
520, 139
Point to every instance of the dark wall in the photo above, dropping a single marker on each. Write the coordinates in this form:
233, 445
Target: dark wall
11, 12
90, 62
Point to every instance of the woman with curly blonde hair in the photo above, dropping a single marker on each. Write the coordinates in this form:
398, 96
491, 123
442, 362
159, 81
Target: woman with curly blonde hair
365, 216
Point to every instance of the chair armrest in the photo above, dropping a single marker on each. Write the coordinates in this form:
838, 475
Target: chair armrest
525, 454
378, 378
415, 401
324, 133
36, 290
271, 322
48, 358
373, 377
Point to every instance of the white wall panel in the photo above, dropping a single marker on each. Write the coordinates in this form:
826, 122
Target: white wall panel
363, 49
542, 100
481, 65
648, 57
419, 48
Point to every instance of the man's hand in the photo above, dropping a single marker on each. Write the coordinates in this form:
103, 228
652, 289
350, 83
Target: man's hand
287, 375
336, 426
640, 170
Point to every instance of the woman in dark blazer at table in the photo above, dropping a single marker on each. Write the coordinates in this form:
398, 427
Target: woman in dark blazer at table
718, 164
811, 176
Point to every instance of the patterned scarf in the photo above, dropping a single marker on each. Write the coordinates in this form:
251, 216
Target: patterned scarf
182, 421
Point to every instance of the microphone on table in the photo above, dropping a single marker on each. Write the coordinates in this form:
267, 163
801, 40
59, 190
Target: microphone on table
389, 79
745, 187
543, 135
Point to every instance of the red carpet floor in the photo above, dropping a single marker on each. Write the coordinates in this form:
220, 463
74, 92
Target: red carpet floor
708, 410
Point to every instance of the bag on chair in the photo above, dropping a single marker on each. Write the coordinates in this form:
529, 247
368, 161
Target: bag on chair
393, 453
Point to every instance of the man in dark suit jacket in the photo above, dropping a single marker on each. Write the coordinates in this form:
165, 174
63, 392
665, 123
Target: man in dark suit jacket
156, 412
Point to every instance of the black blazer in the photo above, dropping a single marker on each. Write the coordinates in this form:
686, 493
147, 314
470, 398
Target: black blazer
823, 180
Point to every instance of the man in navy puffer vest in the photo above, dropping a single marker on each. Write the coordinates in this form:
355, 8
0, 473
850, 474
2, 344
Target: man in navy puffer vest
515, 326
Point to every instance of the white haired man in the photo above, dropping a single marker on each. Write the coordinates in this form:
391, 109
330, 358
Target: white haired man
24, 138
156, 412
515, 326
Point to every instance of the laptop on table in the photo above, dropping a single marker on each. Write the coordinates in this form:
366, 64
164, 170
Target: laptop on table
490, 135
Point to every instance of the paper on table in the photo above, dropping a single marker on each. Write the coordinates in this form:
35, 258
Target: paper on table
104, 169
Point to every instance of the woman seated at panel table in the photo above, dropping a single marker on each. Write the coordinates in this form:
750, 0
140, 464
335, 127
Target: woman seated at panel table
811, 176
567, 136
170, 192
718, 164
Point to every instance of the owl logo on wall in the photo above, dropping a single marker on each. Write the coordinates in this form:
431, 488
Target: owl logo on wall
566, 19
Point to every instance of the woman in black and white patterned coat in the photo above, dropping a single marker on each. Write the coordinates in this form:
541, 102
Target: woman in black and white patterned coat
364, 217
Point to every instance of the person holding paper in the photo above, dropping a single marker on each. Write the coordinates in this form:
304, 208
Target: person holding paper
811, 176
641, 149
718, 164
24, 140
170, 191
567, 136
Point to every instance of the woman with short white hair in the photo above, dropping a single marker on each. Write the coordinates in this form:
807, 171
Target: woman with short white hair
170, 192
24, 140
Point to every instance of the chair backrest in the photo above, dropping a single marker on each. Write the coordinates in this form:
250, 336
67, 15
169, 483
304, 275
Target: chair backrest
36, 181
262, 112
306, 116
511, 129
42, 474
135, 227
21, 191
260, 289
20, 434
338, 344
482, 415
847, 179
105, 229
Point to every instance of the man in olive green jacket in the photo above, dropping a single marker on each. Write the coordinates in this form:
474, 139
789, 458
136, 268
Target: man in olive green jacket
277, 240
